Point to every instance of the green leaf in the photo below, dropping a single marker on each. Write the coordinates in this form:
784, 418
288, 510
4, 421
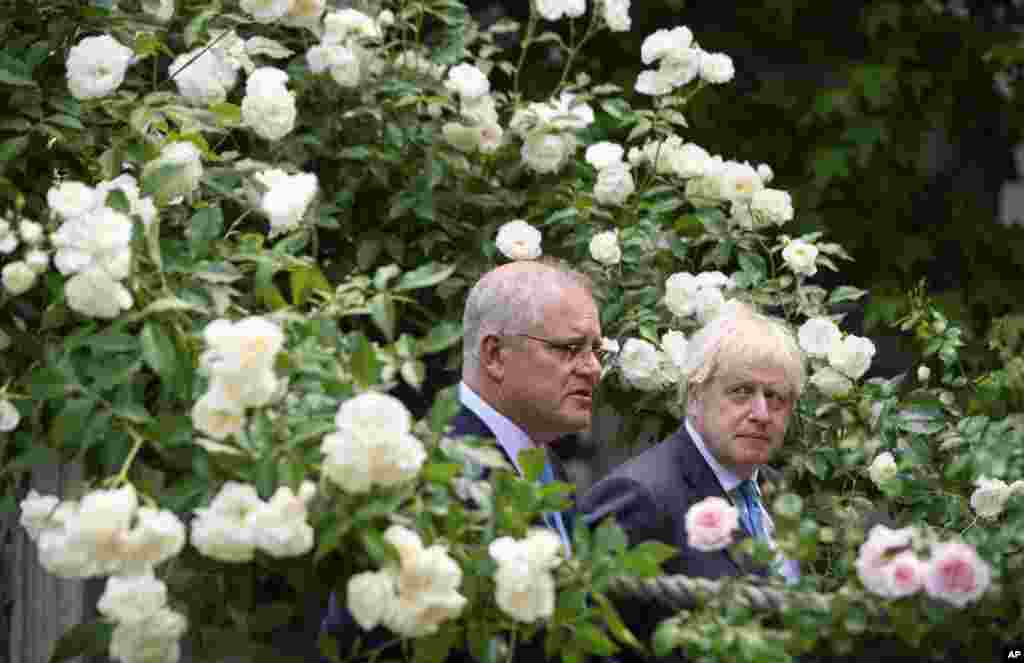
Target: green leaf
441, 337
531, 462
89, 639
11, 148
434, 648
425, 276
206, 225
307, 279
227, 113
609, 538
66, 428
446, 405
646, 558
595, 641
159, 352
384, 314
845, 293
358, 153
49, 382
441, 473
67, 121
365, 364
615, 624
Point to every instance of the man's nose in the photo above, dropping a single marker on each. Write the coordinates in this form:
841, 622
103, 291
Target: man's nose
590, 366
759, 406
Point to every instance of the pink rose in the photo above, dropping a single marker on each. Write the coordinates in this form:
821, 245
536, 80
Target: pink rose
881, 547
903, 575
956, 574
710, 524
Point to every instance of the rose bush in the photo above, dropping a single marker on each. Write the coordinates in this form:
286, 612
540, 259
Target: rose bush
243, 270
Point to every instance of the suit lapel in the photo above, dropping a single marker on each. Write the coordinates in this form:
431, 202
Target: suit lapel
702, 481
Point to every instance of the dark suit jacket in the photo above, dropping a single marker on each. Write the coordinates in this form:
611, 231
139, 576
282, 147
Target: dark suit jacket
339, 623
649, 496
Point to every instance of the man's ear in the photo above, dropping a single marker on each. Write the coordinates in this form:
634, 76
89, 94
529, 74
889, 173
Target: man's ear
492, 362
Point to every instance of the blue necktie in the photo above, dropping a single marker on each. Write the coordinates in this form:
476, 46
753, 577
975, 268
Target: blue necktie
751, 514
554, 518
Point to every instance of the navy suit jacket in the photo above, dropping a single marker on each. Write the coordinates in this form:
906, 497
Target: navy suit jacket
339, 623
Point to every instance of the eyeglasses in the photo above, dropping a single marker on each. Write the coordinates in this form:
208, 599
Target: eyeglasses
571, 351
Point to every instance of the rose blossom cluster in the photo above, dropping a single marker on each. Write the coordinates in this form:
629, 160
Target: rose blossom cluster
412, 598
604, 248
524, 581
548, 130
344, 49
373, 445
614, 180
479, 129
297, 13
238, 522
93, 244
888, 566
20, 275
146, 630
518, 240
643, 366
680, 61
711, 524
104, 533
240, 360
838, 359
286, 198
687, 294
268, 107
991, 495
96, 66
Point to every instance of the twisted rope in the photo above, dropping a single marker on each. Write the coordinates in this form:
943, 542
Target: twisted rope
679, 592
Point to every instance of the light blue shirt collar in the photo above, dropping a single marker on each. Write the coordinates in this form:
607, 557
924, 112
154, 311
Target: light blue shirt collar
511, 438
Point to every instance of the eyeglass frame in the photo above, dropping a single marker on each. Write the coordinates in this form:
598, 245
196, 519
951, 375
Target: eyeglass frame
574, 356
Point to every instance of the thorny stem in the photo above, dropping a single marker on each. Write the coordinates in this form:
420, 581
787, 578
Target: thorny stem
531, 28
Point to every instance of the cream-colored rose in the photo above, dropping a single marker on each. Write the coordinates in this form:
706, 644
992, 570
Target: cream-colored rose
371, 598
852, 356
518, 240
831, 382
641, 364
604, 248
883, 468
818, 335
800, 256
989, 498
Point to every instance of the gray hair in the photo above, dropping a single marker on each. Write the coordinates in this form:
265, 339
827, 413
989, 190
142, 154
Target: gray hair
739, 336
510, 299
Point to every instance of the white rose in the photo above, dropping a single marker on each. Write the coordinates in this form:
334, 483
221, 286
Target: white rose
989, 498
680, 66
215, 419
419, 64
268, 108
772, 205
153, 639
265, 11
716, 67
132, 597
70, 200
765, 172
371, 598
714, 279
711, 524
604, 248
36, 510
219, 531
547, 152
246, 347
94, 294
707, 303
96, 66
184, 178
204, 76
426, 584
616, 15
342, 61
157, 536
612, 346
801, 256
518, 240
340, 26
161, 10
463, 138
883, 468
831, 382
737, 181
614, 185
852, 356
287, 198
662, 42
552, 10
18, 278
524, 585
923, 373
818, 335
956, 574
280, 526
652, 83
37, 260
675, 345
467, 81
305, 14
604, 154
688, 160
30, 231
641, 365
9, 416
680, 293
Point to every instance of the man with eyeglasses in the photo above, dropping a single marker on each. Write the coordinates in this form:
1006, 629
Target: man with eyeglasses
531, 361
744, 373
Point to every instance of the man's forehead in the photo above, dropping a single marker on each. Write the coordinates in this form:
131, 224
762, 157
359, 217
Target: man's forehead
573, 310
766, 374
